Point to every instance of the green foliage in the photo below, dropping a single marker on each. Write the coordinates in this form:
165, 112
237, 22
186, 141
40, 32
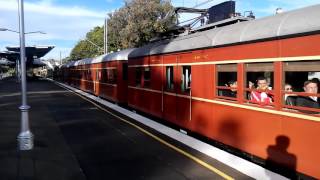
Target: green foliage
85, 49
137, 22
130, 26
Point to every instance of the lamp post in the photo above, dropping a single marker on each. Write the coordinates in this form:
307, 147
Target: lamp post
25, 137
32, 32
105, 34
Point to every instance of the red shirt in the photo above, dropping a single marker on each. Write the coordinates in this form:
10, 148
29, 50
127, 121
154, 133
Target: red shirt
261, 97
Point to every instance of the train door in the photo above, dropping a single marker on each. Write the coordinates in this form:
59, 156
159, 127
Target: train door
97, 82
122, 81
94, 80
169, 99
183, 101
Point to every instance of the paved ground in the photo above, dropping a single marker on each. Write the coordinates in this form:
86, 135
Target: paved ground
76, 140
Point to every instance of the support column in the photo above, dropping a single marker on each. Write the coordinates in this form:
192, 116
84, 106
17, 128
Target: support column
25, 137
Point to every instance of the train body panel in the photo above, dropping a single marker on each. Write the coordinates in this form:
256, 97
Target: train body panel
183, 81
251, 128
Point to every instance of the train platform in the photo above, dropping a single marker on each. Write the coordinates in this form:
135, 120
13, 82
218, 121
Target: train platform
80, 136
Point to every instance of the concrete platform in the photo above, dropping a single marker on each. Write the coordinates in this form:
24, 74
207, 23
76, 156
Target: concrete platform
78, 139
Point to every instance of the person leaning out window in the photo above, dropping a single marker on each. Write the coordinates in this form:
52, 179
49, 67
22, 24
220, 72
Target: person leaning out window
262, 94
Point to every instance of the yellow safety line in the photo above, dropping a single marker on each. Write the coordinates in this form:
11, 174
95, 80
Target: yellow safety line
197, 160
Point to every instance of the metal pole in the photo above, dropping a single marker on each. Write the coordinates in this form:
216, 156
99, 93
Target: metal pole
98, 47
25, 137
60, 59
105, 35
18, 70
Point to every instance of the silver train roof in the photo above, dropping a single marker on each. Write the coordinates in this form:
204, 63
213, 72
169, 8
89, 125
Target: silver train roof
288, 23
116, 56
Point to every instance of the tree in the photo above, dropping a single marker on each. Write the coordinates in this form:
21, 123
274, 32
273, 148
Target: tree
133, 25
85, 49
137, 22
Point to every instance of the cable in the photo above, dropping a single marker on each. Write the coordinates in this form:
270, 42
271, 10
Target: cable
202, 3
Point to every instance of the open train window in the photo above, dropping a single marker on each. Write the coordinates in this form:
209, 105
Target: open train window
259, 83
85, 76
186, 79
89, 74
79, 74
169, 78
82, 74
98, 75
227, 81
147, 77
104, 76
138, 76
301, 86
112, 76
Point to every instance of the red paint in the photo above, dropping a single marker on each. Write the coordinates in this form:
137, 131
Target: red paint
251, 131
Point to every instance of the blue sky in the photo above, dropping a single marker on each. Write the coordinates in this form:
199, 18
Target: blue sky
67, 21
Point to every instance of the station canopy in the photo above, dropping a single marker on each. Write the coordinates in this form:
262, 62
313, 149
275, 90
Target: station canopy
32, 53
8, 57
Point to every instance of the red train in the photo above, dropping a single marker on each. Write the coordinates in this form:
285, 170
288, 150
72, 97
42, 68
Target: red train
105, 76
184, 80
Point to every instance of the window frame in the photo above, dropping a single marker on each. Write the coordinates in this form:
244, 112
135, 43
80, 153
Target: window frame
147, 81
138, 77
169, 78
226, 68
259, 68
186, 78
301, 66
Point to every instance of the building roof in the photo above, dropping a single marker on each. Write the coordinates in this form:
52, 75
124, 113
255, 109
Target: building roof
10, 55
32, 51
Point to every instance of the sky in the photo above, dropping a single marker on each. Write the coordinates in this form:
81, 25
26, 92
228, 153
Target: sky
65, 22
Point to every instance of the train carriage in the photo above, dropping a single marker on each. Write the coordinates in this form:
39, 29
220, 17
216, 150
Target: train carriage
112, 74
182, 80
104, 76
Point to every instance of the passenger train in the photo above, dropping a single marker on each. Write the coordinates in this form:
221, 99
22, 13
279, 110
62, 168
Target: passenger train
182, 81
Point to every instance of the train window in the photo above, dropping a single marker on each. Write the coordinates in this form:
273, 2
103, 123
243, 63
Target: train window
125, 71
301, 86
89, 74
104, 75
259, 83
169, 78
147, 77
79, 74
112, 76
86, 74
227, 81
138, 76
186, 79
98, 75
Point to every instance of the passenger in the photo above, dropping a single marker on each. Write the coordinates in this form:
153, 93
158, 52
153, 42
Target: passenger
290, 99
316, 80
311, 87
232, 92
262, 95
251, 85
